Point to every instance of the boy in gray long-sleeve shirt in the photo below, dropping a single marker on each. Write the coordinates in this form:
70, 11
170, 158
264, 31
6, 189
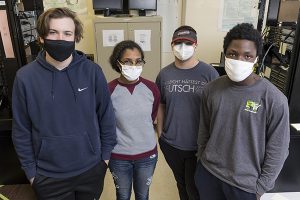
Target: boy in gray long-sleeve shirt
244, 137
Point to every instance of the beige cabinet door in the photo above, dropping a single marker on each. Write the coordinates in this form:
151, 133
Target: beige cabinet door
129, 27
153, 54
103, 50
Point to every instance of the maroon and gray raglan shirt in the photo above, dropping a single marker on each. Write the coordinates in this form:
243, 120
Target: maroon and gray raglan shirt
135, 107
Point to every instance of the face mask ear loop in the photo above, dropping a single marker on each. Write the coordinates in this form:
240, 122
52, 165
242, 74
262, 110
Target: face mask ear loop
120, 65
254, 63
256, 59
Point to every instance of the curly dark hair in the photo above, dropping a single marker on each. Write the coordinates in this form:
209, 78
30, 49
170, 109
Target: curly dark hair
119, 50
244, 31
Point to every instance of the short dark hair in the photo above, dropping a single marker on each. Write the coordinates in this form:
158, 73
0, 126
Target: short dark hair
119, 50
58, 13
244, 31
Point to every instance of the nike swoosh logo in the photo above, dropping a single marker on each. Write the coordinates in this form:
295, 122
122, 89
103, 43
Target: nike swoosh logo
81, 89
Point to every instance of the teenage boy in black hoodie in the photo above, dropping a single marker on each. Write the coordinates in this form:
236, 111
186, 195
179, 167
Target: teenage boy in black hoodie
64, 124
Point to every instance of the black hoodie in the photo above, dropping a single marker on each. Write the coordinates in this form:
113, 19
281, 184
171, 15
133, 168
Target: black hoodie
64, 122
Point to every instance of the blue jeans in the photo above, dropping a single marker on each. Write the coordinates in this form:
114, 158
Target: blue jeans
133, 172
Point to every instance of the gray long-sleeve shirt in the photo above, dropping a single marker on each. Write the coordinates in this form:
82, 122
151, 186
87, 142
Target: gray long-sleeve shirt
244, 137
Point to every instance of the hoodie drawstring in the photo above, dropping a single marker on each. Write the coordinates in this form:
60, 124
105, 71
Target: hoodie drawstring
53, 85
73, 89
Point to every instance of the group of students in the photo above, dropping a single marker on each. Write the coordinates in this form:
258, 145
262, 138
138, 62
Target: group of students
225, 138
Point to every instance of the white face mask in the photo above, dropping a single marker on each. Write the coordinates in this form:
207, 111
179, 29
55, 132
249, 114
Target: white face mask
183, 51
238, 70
131, 73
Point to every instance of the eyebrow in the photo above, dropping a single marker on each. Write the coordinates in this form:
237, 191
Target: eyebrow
235, 51
132, 59
58, 31
231, 51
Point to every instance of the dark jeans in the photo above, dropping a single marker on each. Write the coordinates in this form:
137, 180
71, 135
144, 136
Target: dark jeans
212, 188
133, 172
86, 186
183, 165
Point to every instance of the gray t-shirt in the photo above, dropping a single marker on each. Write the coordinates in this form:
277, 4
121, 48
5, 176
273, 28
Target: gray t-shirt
244, 137
181, 91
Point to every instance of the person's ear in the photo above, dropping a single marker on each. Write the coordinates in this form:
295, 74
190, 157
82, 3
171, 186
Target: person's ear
41, 40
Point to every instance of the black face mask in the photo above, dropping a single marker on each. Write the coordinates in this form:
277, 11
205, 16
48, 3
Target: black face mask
60, 50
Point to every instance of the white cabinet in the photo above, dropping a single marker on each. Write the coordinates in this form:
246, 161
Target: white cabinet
129, 27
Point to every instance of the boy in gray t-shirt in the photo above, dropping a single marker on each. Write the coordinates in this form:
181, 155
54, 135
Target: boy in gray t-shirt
181, 84
244, 138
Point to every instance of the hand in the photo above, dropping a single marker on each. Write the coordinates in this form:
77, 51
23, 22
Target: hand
106, 161
258, 196
31, 180
159, 134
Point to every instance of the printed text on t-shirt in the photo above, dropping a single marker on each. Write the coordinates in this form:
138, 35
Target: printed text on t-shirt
184, 85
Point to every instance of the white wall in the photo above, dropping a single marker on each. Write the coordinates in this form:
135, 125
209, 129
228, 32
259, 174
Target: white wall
203, 15
88, 43
171, 11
